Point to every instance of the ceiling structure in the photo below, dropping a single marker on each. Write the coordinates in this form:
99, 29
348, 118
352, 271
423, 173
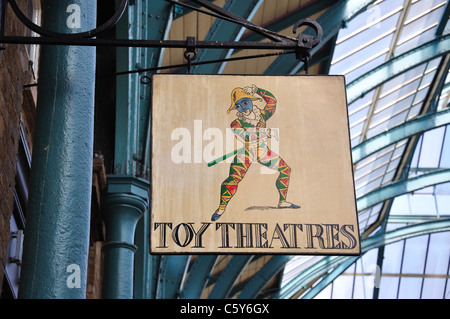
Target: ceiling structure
395, 58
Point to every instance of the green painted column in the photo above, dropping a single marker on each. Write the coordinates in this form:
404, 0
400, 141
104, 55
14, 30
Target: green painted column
56, 240
123, 206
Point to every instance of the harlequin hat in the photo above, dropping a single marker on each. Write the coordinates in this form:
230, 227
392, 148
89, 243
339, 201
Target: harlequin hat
236, 95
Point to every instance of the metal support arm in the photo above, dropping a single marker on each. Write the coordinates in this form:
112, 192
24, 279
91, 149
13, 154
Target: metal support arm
300, 45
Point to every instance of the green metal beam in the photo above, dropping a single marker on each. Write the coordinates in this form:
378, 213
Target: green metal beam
260, 279
439, 84
367, 244
181, 11
156, 21
199, 274
327, 279
331, 22
171, 274
402, 187
142, 20
444, 20
412, 219
415, 126
56, 243
396, 66
228, 277
159, 17
225, 31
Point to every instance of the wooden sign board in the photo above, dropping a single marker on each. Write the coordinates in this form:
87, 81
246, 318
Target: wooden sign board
252, 165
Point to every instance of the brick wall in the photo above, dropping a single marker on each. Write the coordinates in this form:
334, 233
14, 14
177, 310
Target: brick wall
16, 105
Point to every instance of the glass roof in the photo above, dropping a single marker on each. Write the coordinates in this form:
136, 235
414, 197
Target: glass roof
410, 266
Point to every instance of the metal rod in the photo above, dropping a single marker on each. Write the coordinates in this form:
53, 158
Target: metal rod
279, 42
203, 62
149, 43
302, 45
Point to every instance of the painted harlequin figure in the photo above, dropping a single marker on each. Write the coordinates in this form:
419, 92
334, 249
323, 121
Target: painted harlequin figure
250, 129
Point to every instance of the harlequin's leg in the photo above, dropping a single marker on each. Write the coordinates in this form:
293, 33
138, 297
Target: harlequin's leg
238, 168
272, 160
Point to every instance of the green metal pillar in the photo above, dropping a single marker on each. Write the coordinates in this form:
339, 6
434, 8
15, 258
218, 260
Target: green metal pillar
124, 204
143, 19
56, 240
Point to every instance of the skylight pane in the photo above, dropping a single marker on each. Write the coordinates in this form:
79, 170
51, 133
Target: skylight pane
358, 117
355, 133
342, 287
414, 255
386, 115
393, 121
422, 204
433, 288
394, 95
362, 102
443, 199
393, 258
438, 254
421, 38
374, 17
363, 217
445, 154
400, 205
424, 7
362, 174
388, 177
369, 186
389, 287
422, 19
431, 148
361, 67
409, 288
363, 40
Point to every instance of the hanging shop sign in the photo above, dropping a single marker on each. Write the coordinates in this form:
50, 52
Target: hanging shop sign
251, 165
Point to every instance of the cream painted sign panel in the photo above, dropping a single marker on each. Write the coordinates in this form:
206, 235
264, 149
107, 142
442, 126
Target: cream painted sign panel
251, 164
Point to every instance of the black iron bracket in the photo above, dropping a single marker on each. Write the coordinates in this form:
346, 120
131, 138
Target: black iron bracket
307, 42
301, 45
191, 53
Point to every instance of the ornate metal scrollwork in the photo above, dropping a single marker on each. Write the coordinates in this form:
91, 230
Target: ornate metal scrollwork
301, 45
87, 34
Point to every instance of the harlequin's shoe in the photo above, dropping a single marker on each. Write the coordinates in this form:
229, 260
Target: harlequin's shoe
287, 205
217, 214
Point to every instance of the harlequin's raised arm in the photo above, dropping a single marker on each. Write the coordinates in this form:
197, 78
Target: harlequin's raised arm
271, 105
